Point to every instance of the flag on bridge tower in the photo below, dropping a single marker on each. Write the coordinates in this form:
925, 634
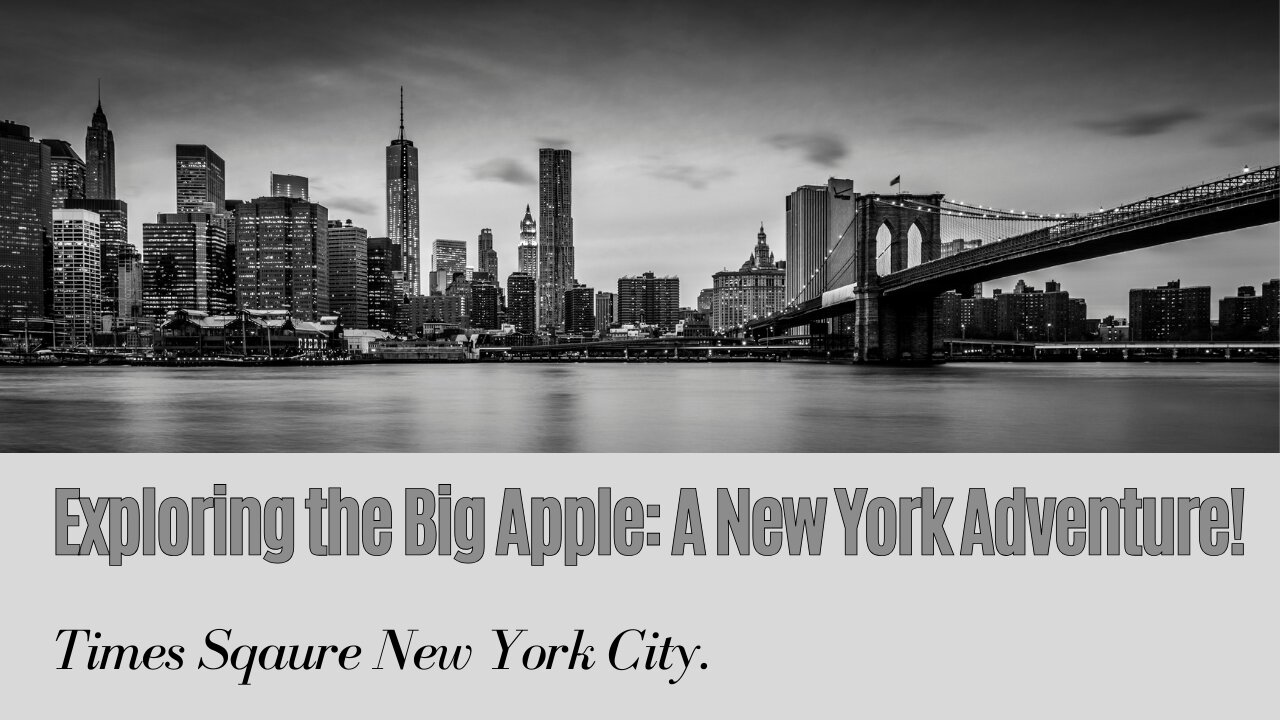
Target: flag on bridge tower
897, 180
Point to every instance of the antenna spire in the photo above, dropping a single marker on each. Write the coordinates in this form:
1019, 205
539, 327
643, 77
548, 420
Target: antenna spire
402, 112
99, 93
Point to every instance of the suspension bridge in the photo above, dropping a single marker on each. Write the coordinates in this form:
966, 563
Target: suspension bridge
883, 271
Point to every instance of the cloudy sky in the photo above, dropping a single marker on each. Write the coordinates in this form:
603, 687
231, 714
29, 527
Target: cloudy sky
688, 125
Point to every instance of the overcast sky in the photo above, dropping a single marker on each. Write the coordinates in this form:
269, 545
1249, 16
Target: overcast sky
688, 125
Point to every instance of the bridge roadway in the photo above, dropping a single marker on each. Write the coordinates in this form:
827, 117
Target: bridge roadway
647, 347
1242, 201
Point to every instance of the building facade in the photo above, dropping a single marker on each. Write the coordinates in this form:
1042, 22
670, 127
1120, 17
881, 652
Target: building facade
201, 180
527, 252
282, 256
756, 289
484, 302
403, 225
113, 216
290, 186
817, 216
488, 260
349, 273
66, 173
606, 312
649, 300
184, 254
1168, 313
449, 256
26, 219
384, 290
555, 241
579, 310
77, 273
522, 302
100, 158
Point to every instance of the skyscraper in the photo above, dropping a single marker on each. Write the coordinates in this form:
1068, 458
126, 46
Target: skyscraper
100, 157
579, 310
483, 305
488, 259
201, 176
183, 254
77, 272
114, 232
290, 186
528, 250
555, 243
66, 173
606, 311
402, 208
26, 218
817, 215
522, 301
349, 273
384, 292
449, 256
282, 256
1169, 312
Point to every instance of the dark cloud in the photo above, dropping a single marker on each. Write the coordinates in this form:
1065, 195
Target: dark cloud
941, 128
1142, 124
558, 143
1256, 127
504, 170
819, 148
695, 177
353, 205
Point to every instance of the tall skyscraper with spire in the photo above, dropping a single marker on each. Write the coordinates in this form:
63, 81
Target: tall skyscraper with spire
402, 209
100, 156
555, 242
528, 257
487, 256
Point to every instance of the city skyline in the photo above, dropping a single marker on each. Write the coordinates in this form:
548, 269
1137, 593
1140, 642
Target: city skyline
691, 126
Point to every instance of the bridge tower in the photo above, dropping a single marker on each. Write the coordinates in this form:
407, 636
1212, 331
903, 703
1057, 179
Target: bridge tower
892, 233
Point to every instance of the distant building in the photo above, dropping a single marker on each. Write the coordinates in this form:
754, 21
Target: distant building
403, 223
650, 300
349, 273
817, 215
978, 318
290, 186
449, 256
488, 257
1028, 314
183, 254
1271, 308
484, 304
704, 299
384, 291
555, 242
422, 310
948, 316
1242, 317
1169, 313
1111, 330
77, 272
201, 180
282, 256
522, 302
113, 216
606, 312
100, 158
129, 297
527, 260
66, 173
755, 290
26, 219
579, 310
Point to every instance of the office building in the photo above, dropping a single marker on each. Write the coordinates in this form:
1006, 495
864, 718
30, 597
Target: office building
384, 290
755, 290
282, 256
113, 218
99, 157
606, 312
449, 256
527, 252
66, 173
77, 273
1169, 312
201, 180
649, 300
402, 209
184, 255
1271, 308
555, 241
522, 302
129, 302
488, 257
26, 219
484, 301
817, 216
420, 310
349, 273
290, 186
579, 310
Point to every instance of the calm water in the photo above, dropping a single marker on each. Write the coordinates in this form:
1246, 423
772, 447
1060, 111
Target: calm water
748, 407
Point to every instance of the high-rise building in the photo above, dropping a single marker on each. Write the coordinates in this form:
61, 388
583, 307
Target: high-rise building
402, 209
349, 273
978, 317
282, 256
1242, 317
202, 180
384, 289
184, 254
650, 300
1169, 312
26, 219
488, 259
77, 272
66, 173
579, 310
100, 157
522, 302
449, 256
483, 305
290, 186
606, 312
1271, 308
129, 296
755, 290
1028, 314
817, 217
114, 218
527, 258
555, 242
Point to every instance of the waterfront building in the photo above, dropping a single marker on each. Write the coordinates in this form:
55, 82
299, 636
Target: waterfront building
100, 157
66, 173
522, 302
26, 219
1271, 308
419, 310
555, 240
579, 310
484, 301
527, 258
1028, 314
77, 273
201, 180
403, 226
488, 257
282, 256
606, 312
978, 317
113, 216
1169, 312
184, 254
449, 256
817, 216
948, 319
756, 289
649, 300
384, 293
290, 186
349, 273
1242, 317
